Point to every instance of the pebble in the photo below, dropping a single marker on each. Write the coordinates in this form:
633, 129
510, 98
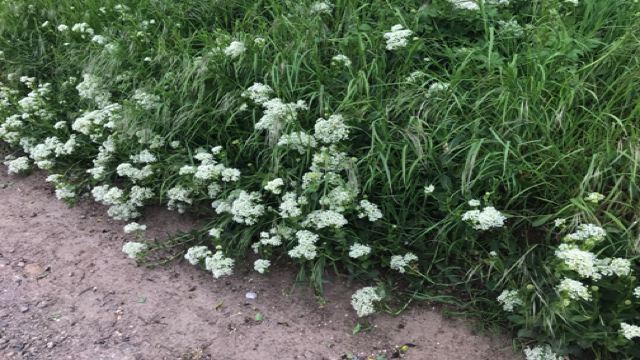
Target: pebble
10, 354
20, 264
24, 308
83, 217
42, 304
50, 345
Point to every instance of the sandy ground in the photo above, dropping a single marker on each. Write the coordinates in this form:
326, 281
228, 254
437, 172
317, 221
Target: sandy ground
68, 292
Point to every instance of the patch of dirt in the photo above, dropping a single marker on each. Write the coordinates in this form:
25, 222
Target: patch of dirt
68, 292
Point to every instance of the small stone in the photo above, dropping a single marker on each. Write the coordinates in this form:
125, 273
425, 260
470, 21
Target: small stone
50, 345
70, 274
83, 217
34, 215
24, 308
10, 354
42, 304
20, 264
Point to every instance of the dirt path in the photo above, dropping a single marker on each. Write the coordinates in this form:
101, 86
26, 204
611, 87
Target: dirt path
68, 292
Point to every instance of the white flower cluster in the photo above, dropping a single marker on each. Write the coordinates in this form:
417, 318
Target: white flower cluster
329, 160
92, 88
559, 222
332, 130
574, 289
511, 28
17, 166
138, 195
99, 39
258, 92
298, 141
362, 301
415, 76
133, 227
133, 173
275, 186
582, 262
338, 198
93, 122
322, 7
370, 210
486, 219
541, 353
63, 193
399, 262
636, 292
267, 238
145, 100
594, 197
219, 265
145, 156
179, 197
617, 266
509, 300
341, 60
320, 219
306, 245
235, 49
82, 28
397, 37
244, 207
134, 248
429, 189
357, 250
629, 331
290, 205
465, 4
587, 233
197, 253
277, 114
474, 203
437, 87
261, 265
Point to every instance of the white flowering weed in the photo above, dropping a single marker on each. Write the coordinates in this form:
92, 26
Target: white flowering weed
196, 254
134, 227
261, 265
574, 289
363, 300
357, 250
399, 262
541, 353
397, 37
219, 265
509, 300
134, 248
629, 331
486, 219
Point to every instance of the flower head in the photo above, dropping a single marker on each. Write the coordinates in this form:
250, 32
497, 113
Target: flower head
133, 249
509, 299
629, 331
261, 265
488, 218
362, 301
397, 37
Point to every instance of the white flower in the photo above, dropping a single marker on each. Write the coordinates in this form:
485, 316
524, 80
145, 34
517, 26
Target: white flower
328, 160
215, 233
399, 262
175, 144
65, 193
493, 254
267, 239
99, 39
511, 28
197, 253
339, 198
147, 59
187, 169
397, 38
259, 41
132, 227
636, 292
594, 197
213, 190
277, 113
19, 165
629, 331
261, 265
429, 189
541, 353
332, 130
299, 141
274, 186
322, 7
617, 266
124, 212
305, 247
246, 208
415, 76
219, 265
44, 24
235, 49
290, 206
369, 210
488, 218
63, 27
133, 249
574, 289
437, 87
474, 203
357, 250
324, 218
587, 233
465, 4
362, 301
509, 299
559, 222
258, 92
341, 60
582, 262
82, 28
574, 2
145, 156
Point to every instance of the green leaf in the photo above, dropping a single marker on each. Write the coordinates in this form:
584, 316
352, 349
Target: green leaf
218, 305
357, 329
579, 318
258, 317
525, 333
142, 300
516, 319
541, 220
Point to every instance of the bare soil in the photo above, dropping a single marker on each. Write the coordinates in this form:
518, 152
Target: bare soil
68, 292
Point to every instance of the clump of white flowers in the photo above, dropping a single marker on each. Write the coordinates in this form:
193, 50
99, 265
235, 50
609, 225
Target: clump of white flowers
290, 205
511, 28
17, 166
580, 261
437, 87
594, 197
474, 203
197, 253
465, 5
331, 130
65, 193
617, 266
134, 248
246, 208
63, 27
541, 353
397, 37
219, 265
369, 210
559, 222
261, 265
321, 7
574, 289
340, 60
259, 41
235, 49
509, 300
629, 331
320, 219
587, 233
180, 198
415, 76
275, 186
363, 299
215, 233
258, 92
428, 190
357, 250
277, 113
636, 292
486, 219
399, 262
298, 141
133, 227
306, 245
